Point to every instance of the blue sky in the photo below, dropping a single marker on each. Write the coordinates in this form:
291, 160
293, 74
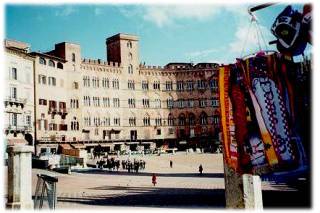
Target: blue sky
168, 33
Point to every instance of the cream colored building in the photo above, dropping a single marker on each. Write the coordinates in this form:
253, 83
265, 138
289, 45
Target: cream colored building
19, 90
121, 104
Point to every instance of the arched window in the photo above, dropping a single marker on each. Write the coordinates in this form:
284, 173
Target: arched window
170, 102
51, 63
130, 56
74, 124
60, 65
146, 120
182, 119
216, 119
203, 118
73, 57
192, 119
42, 61
130, 69
170, 120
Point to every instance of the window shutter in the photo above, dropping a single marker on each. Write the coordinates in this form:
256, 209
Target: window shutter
45, 124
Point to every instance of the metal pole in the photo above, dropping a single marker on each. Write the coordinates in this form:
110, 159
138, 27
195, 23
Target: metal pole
259, 7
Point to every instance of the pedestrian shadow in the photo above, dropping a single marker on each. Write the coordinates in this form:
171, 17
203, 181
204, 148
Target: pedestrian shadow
107, 172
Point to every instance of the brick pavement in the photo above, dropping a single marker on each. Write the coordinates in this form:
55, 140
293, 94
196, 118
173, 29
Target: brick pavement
179, 187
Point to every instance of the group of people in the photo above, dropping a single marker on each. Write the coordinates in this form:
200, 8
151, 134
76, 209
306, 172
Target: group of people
136, 165
114, 164
110, 163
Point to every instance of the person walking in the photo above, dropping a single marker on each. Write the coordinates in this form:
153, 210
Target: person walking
171, 163
154, 179
200, 169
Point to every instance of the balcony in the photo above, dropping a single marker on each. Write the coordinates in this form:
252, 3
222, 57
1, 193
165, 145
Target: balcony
15, 101
17, 129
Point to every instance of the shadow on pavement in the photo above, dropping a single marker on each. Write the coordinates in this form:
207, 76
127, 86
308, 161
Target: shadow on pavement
185, 198
107, 172
156, 197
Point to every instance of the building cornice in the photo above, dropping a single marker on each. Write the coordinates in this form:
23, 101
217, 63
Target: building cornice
19, 52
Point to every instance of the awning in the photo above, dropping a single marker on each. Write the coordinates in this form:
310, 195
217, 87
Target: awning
118, 143
105, 145
132, 143
78, 146
16, 141
147, 142
114, 131
182, 142
65, 146
85, 131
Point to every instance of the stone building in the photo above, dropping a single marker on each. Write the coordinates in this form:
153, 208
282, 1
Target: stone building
121, 104
18, 97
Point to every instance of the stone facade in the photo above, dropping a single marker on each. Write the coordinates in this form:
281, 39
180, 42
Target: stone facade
120, 103
19, 93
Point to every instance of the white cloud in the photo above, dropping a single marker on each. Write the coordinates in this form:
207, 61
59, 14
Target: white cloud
65, 11
250, 39
201, 53
166, 15
246, 38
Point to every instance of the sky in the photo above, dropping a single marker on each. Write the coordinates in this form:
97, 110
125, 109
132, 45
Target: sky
167, 33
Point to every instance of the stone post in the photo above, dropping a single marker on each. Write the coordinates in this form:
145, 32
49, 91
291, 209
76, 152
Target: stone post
252, 192
19, 177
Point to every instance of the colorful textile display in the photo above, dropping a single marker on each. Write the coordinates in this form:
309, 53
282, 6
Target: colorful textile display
258, 115
293, 30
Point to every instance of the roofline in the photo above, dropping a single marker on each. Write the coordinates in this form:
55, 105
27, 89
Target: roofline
49, 56
122, 36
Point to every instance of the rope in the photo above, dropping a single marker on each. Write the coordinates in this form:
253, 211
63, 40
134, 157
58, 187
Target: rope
258, 32
258, 40
245, 42
259, 28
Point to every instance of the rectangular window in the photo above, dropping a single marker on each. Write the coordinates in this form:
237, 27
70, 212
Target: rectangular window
14, 119
14, 73
28, 120
42, 102
171, 131
42, 79
116, 121
158, 131
52, 81
13, 92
